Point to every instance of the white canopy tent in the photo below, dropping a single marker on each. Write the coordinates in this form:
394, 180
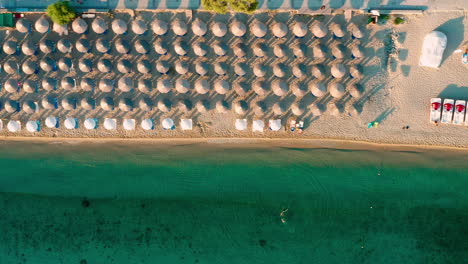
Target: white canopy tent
147, 124
433, 49
129, 124
110, 123
241, 124
186, 124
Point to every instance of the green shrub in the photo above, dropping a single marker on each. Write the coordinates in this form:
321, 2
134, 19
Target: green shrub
61, 13
224, 6
398, 21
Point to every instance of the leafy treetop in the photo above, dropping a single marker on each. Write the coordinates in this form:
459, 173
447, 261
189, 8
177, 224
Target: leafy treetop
61, 13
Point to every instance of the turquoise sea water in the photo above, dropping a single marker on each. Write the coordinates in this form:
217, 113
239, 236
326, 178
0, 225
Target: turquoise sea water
94, 203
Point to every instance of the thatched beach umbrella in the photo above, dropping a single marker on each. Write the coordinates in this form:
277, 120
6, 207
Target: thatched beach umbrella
51, 122
278, 108
79, 26
179, 27
299, 50
49, 84
144, 66
200, 48
68, 103
119, 26
222, 106
353, 110
28, 48
107, 103
60, 29
124, 66
82, 45
259, 70
299, 70
160, 47
11, 66
315, 109
297, 108
260, 87
199, 27
29, 67
88, 103
181, 47
64, 46
356, 71
104, 65
164, 105
219, 29
126, 104
221, 86
145, 104
259, 29
159, 27
241, 68
125, 84
30, 86
139, 27
42, 25
164, 86
145, 85
220, 68
10, 47
280, 30
337, 90
318, 89
299, 89
357, 51
318, 71
319, 30
279, 88
182, 85
184, 105
202, 86
280, 50
12, 106
90, 123
337, 30
241, 107
220, 48
68, 83
202, 68
202, 106
338, 51
65, 64
355, 90
85, 65
87, 84
259, 108
260, 49
319, 51
279, 70
238, 28
334, 109
102, 45
338, 70
147, 124
181, 67
99, 25
106, 85
240, 50
122, 46
141, 46
46, 46
356, 32
300, 29
49, 102
11, 85
162, 66
23, 25
241, 88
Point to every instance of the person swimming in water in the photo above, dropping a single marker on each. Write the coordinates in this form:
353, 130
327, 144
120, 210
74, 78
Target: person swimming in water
283, 215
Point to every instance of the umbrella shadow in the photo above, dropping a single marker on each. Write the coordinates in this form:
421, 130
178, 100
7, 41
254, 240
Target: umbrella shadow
454, 29
384, 115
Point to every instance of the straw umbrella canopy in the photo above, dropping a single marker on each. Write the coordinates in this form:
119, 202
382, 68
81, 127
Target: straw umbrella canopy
182, 85
159, 27
300, 29
102, 45
29, 67
318, 71
338, 51
126, 104
122, 46
164, 105
356, 32
181, 67
10, 47
145, 85
278, 108
259, 29
28, 48
87, 84
69, 103
221, 86
319, 51
68, 83
337, 90
125, 84
88, 103
162, 66
82, 45
260, 87
141, 46
147, 124
357, 51
11, 66
199, 27
299, 70
46, 46
51, 122
60, 29
299, 89
334, 109
179, 27
299, 50
65, 64
42, 25
279, 70
315, 109
259, 108
240, 50
99, 25
319, 30
297, 108
241, 68
23, 25
106, 85
238, 28
49, 102
202, 86
202, 68
280, 30
119, 26
79, 26
259, 70
279, 88
64, 46
139, 27
280, 50
202, 106
145, 104
241, 88
144, 66
104, 65
90, 123
241, 107
164, 85
200, 48
11, 85
220, 48
30, 86
160, 47
260, 49
49, 84
338, 70
318, 89
220, 68
184, 105
124, 66
222, 107
353, 110
356, 71
355, 90
181, 47
85, 65
107, 103
12, 106
219, 29
337, 30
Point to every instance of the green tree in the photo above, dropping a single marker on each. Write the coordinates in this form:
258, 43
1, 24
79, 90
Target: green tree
61, 13
224, 6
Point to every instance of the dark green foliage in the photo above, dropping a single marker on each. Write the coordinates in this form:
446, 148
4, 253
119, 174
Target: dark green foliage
398, 21
61, 13
223, 6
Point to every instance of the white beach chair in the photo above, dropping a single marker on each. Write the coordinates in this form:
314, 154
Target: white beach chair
1, 124
447, 111
241, 124
436, 110
258, 125
186, 124
459, 115
466, 118
274, 125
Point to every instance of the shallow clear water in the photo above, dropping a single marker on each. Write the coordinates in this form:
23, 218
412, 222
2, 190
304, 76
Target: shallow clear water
92, 203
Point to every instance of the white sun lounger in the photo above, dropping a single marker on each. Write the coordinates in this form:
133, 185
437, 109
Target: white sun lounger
447, 111
436, 110
459, 116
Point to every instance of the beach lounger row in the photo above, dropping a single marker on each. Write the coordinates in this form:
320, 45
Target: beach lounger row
71, 123
449, 112
273, 125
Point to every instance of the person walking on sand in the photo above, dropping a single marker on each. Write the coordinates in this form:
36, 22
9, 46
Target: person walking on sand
465, 57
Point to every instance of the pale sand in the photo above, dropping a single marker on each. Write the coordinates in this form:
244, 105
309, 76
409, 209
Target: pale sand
403, 89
